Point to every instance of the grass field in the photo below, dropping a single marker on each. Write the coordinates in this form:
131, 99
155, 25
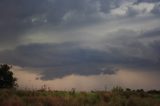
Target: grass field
116, 97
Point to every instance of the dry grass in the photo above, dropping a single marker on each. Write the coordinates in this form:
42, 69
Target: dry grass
116, 97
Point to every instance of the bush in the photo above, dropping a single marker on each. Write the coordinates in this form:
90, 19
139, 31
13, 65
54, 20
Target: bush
6, 77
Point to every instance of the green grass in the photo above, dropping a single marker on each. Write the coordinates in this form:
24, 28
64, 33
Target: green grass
116, 97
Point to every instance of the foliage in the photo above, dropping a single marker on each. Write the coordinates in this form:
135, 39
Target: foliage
6, 77
116, 97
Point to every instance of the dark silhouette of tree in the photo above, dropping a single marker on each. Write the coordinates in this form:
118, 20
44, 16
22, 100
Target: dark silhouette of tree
6, 77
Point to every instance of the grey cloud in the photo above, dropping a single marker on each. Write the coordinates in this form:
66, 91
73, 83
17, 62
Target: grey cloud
85, 70
139, 1
20, 16
156, 9
58, 60
156, 48
14, 18
47, 55
132, 47
151, 33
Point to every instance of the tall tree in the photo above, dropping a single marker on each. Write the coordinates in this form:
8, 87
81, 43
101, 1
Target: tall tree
6, 77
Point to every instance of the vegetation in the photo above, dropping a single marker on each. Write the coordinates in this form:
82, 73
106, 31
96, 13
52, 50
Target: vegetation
116, 97
6, 77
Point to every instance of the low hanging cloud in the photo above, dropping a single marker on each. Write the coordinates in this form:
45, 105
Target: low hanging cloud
59, 60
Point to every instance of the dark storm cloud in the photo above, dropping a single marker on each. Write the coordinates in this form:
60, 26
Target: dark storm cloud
15, 18
59, 60
156, 48
151, 34
19, 16
84, 69
134, 49
150, 1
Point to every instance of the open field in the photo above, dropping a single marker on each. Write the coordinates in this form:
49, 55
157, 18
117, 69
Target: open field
116, 97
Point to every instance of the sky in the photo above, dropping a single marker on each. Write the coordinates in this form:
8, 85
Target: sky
82, 44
